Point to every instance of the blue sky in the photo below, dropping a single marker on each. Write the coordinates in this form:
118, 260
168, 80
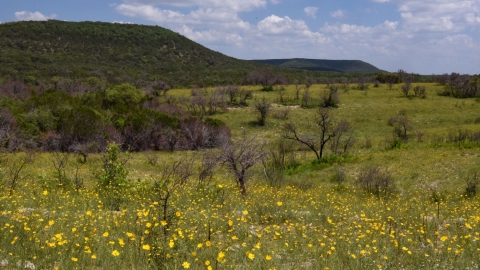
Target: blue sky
427, 36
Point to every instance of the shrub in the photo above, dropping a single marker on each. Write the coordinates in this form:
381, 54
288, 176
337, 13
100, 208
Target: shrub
375, 180
330, 97
471, 189
112, 180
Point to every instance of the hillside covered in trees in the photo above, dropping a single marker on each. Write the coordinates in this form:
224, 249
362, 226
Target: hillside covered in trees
354, 66
39, 52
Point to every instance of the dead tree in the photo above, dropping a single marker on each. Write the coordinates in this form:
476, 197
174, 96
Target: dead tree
321, 131
240, 156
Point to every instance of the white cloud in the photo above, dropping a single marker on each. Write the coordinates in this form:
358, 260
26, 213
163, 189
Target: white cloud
32, 16
339, 13
439, 15
428, 33
311, 11
231, 5
277, 25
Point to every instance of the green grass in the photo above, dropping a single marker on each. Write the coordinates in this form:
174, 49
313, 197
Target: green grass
308, 222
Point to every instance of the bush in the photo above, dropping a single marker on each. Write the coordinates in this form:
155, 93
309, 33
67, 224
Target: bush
376, 181
330, 97
471, 189
112, 181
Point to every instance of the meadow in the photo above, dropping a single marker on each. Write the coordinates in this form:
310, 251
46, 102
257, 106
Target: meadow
315, 216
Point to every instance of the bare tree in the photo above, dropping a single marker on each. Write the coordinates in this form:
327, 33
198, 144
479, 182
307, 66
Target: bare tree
309, 82
60, 161
240, 156
15, 167
263, 107
343, 139
401, 125
323, 132
266, 78
210, 160
172, 178
406, 88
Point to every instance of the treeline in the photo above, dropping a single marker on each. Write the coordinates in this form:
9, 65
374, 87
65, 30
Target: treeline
85, 119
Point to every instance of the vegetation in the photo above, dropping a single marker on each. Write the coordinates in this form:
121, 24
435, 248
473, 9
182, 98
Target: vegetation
351, 66
97, 173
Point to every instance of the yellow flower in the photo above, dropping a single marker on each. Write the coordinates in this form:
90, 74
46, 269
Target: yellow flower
146, 247
177, 214
94, 257
251, 256
164, 223
148, 225
115, 253
207, 262
279, 203
89, 213
45, 192
443, 238
171, 244
51, 222
74, 259
268, 257
353, 256
245, 212
200, 245
105, 234
208, 243
186, 265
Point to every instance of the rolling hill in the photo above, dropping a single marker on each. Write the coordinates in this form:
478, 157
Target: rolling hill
37, 51
353, 66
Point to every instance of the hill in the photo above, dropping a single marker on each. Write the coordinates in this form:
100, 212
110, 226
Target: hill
354, 66
37, 51
117, 52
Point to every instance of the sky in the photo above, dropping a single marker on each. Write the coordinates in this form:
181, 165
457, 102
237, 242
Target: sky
424, 36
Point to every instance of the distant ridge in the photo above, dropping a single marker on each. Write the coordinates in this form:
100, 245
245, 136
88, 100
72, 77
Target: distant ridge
354, 66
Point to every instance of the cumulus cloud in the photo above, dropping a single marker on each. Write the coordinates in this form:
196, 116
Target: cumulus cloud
426, 35
439, 15
311, 11
232, 5
339, 14
32, 16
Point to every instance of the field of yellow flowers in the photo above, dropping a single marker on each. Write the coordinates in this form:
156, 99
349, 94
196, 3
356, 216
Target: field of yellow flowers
307, 222
211, 226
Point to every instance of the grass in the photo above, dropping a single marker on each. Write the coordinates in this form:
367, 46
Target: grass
308, 222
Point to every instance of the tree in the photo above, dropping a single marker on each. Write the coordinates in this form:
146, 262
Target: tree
309, 82
406, 88
322, 131
330, 97
240, 156
401, 125
263, 107
266, 78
